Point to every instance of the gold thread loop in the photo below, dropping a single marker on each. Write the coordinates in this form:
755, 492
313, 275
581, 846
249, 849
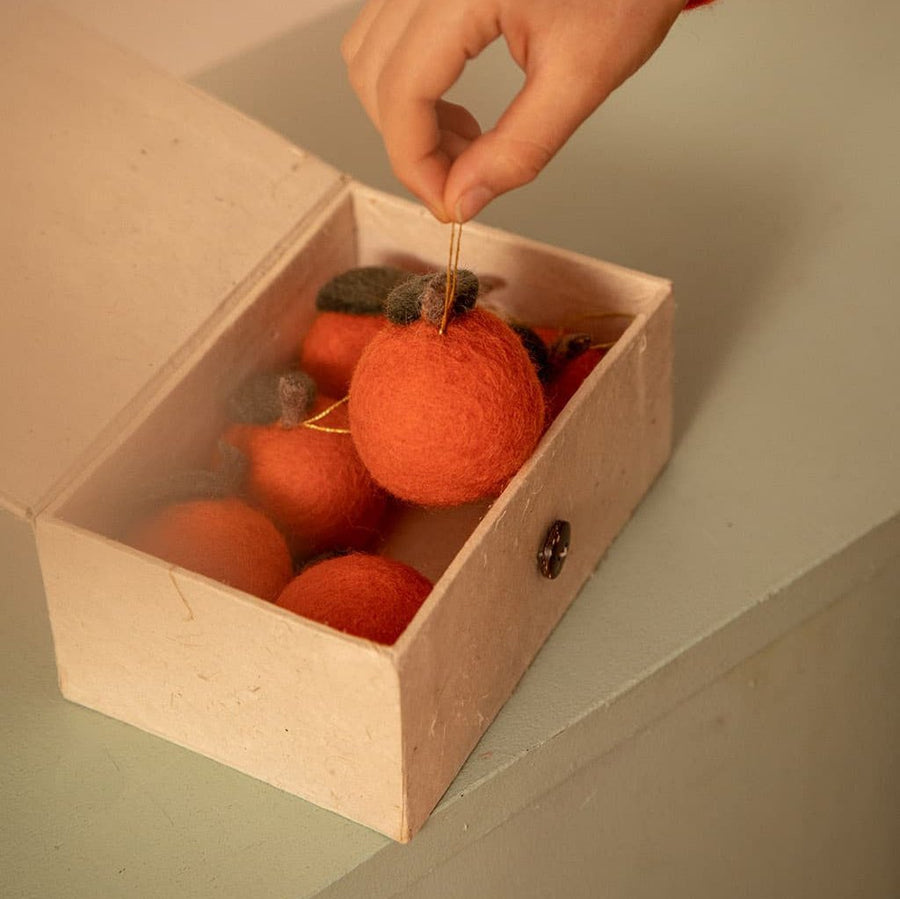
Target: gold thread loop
311, 423
452, 278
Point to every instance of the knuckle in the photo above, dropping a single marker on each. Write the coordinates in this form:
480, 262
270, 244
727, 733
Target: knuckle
348, 48
523, 160
387, 84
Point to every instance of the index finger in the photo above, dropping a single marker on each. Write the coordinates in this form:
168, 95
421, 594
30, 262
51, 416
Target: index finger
358, 30
419, 71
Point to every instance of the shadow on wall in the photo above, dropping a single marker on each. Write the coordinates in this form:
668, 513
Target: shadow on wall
636, 185
296, 84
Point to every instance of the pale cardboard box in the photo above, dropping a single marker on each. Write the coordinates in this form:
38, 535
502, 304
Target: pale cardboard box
160, 246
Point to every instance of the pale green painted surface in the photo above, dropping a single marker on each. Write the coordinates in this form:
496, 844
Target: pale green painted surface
754, 163
778, 779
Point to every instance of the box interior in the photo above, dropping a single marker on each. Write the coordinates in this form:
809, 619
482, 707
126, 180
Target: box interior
178, 429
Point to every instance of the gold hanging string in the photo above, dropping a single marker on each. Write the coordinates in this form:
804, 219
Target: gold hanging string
456, 261
312, 423
452, 273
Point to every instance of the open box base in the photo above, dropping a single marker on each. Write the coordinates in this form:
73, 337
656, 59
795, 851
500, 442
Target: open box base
375, 733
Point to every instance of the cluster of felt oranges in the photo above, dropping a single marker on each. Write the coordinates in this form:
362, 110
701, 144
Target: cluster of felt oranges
403, 390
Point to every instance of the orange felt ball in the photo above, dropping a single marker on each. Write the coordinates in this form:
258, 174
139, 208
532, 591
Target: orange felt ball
548, 335
569, 378
224, 539
443, 419
364, 595
312, 484
333, 345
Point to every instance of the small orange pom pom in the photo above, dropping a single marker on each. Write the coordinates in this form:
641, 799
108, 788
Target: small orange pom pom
333, 345
364, 595
442, 419
311, 483
224, 539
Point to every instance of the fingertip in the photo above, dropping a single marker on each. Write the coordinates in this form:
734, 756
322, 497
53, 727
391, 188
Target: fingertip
468, 204
437, 208
477, 177
440, 214
425, 179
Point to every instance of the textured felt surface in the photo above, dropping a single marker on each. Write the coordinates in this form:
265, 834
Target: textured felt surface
360, 291
225, 539
561, 387
424, 296
536, 349
332, 347
441, 419
366, 595
312, 483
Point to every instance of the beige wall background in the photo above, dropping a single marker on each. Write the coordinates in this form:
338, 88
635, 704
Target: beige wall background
185, 36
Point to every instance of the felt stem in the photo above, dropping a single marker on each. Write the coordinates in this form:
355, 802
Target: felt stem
312, 423
294, 398
271, 396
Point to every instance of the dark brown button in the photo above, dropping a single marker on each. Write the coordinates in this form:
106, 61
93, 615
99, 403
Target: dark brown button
553, 553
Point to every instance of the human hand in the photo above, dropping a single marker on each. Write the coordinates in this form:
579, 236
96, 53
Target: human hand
403, 55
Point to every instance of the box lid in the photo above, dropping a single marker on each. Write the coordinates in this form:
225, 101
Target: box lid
135, 211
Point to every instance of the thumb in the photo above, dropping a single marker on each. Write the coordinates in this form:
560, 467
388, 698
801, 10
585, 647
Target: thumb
541, 118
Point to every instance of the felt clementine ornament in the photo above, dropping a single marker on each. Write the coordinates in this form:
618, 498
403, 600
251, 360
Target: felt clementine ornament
361, 594
548, 336
572, 359
223, 538
333, 345
444, 417
196, 519
307, 475
350, 313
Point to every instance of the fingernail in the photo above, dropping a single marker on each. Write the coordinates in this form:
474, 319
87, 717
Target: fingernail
472, 202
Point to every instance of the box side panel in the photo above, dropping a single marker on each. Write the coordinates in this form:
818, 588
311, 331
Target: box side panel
493, 609
227, 675
180, 427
